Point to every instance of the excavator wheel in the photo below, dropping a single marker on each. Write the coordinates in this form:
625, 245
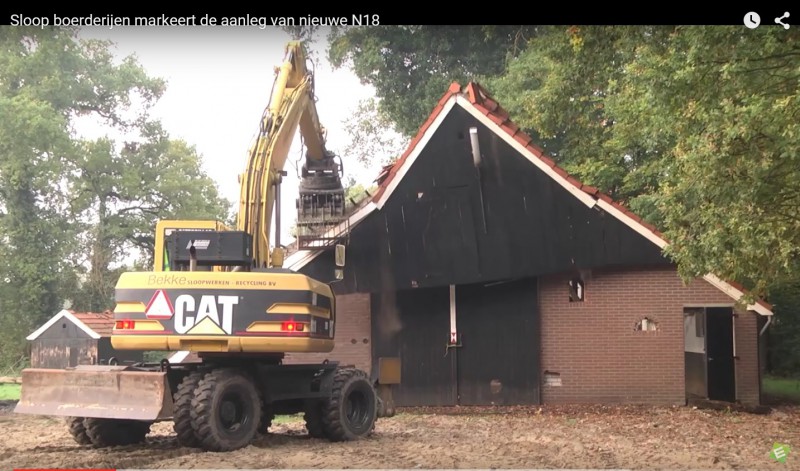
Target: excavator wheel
182, 416
78, 430
352, 409
114, 432
313, 417
226, 410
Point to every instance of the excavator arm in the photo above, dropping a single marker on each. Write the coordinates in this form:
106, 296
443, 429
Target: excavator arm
321, 201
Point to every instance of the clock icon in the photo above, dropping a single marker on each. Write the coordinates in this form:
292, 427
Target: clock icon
752, 20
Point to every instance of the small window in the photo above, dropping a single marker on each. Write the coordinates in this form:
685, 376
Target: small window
576, 290
646, 324
700, 324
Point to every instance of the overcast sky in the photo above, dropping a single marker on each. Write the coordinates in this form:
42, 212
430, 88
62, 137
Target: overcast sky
218, 84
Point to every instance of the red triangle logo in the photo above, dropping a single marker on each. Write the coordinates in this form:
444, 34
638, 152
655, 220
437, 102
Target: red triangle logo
159, 307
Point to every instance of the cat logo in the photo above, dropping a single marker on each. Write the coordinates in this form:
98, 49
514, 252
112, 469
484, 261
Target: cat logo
212, 315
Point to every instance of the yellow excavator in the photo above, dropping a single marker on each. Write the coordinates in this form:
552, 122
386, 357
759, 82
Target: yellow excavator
222, 293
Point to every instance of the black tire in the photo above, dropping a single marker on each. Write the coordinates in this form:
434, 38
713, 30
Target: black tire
115, 432
78, 430
267, 416
313, 417
351, 411
182, 416
226, 410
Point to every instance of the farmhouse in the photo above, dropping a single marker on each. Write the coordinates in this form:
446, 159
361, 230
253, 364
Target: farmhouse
497, 278
77, 338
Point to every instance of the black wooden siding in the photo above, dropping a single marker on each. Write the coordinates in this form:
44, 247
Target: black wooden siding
497, 362
448, 222
414, 325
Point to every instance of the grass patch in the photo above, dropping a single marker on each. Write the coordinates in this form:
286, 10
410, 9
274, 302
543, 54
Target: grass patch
10, 392
782, 388
287, 419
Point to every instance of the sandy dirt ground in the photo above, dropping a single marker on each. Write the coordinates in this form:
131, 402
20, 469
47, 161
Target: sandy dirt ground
549, 437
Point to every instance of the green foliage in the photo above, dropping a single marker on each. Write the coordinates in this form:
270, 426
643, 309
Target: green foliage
784, 333
784, 389
10, 392
73, 212
693, 127
411, 67
355, 193
47, 80
570, 89
155, 356
731, 202
373, 137
121, 194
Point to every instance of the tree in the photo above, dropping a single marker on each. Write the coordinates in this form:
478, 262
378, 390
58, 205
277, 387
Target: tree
72, 211
731, 197
373, 137
693, 127
48, 80
564, 89
412, 66
784, 335
121, 193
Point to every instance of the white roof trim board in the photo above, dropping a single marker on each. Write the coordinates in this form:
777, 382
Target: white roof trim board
64, 314
735, 293
299, 259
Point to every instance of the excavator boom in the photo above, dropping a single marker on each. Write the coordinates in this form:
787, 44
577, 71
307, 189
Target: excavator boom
321, 201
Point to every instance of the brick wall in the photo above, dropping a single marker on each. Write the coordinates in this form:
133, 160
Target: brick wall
353, 335
599, 355
747, 375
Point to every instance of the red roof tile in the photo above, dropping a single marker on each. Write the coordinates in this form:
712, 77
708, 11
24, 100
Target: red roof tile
102, 323
547, 160
510, 127
522, 138
590, 190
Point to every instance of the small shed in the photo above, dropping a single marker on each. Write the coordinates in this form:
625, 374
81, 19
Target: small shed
77, 338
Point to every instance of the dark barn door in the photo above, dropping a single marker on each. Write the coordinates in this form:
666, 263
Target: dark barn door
721, 368
498, 361
427, 373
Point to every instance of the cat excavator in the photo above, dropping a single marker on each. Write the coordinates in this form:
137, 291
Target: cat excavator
223, 294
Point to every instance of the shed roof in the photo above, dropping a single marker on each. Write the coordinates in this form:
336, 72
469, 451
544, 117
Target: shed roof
476, 100
94, 324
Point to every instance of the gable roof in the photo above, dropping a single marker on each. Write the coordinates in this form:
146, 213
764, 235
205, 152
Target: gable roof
476, 101
95, 325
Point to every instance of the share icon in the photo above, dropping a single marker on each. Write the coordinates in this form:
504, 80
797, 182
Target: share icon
779, 20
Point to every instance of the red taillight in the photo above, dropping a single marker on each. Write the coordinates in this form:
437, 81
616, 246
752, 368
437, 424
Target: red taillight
125, 325
293, 327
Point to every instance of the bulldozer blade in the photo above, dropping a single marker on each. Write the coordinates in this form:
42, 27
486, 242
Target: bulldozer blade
110, 392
